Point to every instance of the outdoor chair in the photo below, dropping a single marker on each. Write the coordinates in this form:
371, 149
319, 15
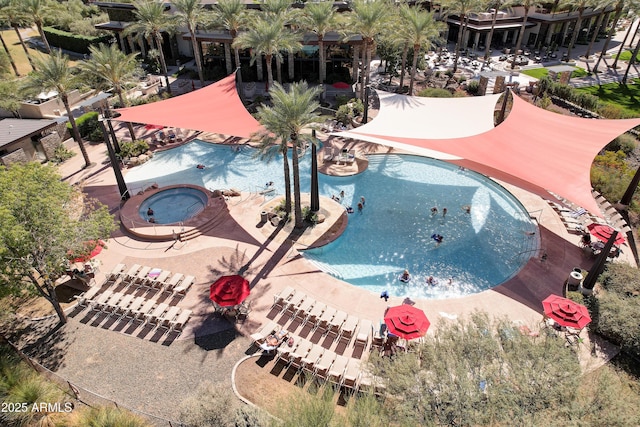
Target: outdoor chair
291, 306
312, 357
243, 311
335, 324
158, 282
178, 323
302, 311
131, 274
184, 286
109, 305
284, 295
152, 318
348, 328
141, 276
136, 304
351, 374
123, 304
86, 297
115, 273
337, 370
284, 351
370, 383
99, 300
364, 333
322, 365
173, 282
325, 318
302, 349
165, 320
315, 313
266, 330
151, 277
145, 309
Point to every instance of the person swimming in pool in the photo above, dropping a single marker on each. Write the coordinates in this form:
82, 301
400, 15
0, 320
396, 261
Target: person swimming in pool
438, 238
200, 166
434, 210
405, 276
150, 212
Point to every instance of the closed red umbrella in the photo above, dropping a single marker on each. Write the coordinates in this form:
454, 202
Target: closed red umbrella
566, 312
229, 291
603, 232
341, 85
406, 321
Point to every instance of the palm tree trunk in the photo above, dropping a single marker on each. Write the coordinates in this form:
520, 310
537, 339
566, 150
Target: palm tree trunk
163, 62
287, 181
296, 182
458, 43
354, 63
269, 71
259, 68
363, 68
632, 61
132, 133
24, 46
576, 32
227, 58
6, 49
615, 63
612, 31
291, 65
74, 130
520, 35
490, 36
403, 64
236, 51
279, 69
196, 54
366, 69
596, 31
416, 50
323, 65
44, 37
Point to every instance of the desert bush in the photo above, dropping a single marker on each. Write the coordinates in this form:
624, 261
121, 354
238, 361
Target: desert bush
435, 93
61, 154
473, 87
625, 143
133, 148
105, 416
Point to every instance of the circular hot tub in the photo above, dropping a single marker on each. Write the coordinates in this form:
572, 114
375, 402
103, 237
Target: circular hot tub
173, 205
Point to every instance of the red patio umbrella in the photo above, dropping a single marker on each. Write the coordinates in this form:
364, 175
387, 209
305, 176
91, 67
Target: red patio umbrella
406, 321
228, 291
603, 232
341, 85
96, 248
566, 312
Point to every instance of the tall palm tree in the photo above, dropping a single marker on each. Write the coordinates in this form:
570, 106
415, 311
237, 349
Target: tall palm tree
368, 19
601, 6
635, 9
37, 10
527, 5
461, 8
191, 14
580, 6
612, 30
54, 73
9, 57
232, 16
113, 67
421, 31
496, 5
320, 18
151, 21
13, 15
282, 10
292, 112
268, 38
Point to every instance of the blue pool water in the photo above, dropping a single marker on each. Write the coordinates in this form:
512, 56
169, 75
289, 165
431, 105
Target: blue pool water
174, 205
480, 249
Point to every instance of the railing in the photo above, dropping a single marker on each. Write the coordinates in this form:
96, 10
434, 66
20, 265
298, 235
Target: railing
142, 188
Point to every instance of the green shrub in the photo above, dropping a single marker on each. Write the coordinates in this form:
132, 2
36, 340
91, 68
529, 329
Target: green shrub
133, 148
625, 143
61, 154
348, 111
73, 42
86, 123
309, 216
435, 93
473, 87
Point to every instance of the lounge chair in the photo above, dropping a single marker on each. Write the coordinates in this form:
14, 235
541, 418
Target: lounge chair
145, 309
123, 304
141, 275
578, 212
322, 365
315, 313
184, 286
284, 295
131, 274
364, 333
178, 323
115, 273
312, 357
348, 328
351, 374
165, 319
337, 369
291, 306
325, 318
152, 317
335, 324
302, 349
173, 282
87, 296
99, 300
264, 332
109, 305
136, 304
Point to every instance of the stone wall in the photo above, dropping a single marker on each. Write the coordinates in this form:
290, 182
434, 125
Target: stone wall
18, 156
49, 144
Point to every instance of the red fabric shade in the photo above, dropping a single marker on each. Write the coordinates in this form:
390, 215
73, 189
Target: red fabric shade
228, 291
215, 108
603, 232
406, 321
534, 149
94, 247
566, 312
341, 85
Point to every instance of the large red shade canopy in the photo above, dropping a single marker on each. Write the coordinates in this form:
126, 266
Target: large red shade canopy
406, 321
566, 312
215, 108
603, 233
228, 291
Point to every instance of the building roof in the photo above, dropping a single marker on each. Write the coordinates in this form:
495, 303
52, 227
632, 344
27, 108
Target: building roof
12, 130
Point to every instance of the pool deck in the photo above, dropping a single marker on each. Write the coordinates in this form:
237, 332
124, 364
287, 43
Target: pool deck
268, 257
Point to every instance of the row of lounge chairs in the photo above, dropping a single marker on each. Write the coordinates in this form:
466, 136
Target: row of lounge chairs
151, 278
297, 305
319, 362
128, 306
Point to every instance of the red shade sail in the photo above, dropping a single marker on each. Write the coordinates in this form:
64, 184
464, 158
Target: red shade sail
215, 108
603, 232
533, 148
406, 321
228, 291
566, 312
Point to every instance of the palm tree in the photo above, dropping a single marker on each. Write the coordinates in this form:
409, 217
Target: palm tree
37, 10
527, 5
368, 19
461, 8
320, 18
635, 8
618, 13
54, 73
496, 5
580, 6
114, 68
268, 38
9, 57
232, 16
191, 14
282, 10
292, 111
601, 6
421, 31
13, 15
151, 22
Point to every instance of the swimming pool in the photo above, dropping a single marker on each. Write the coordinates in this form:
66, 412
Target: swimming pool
173, 205
480, 249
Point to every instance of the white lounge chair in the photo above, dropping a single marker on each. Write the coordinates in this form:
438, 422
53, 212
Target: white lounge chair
145, 309
322, 365
131, 274
165, 319
88, 295
115, 273
173, 282
98, 301
364, 333
152, 317
312, 357
184, 285
337, 369
351, 374
264, 332
178, 323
